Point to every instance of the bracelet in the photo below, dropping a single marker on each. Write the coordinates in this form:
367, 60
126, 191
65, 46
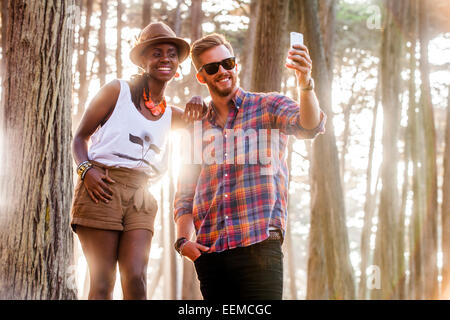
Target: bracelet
84, 172
83, 168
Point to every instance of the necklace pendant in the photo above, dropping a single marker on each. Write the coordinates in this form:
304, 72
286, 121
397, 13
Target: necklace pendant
149, 104
156, 112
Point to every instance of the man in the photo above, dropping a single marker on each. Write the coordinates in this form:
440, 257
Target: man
239, 209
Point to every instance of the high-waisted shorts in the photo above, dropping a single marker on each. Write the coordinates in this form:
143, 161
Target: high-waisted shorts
132, 205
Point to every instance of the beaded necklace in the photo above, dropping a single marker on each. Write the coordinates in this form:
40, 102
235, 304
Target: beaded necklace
156, 110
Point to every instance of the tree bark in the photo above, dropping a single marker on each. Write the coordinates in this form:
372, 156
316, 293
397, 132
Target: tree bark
82, 67
386, 250
330, 273
271, 28
4, 16
119, 39
146, 12
430, 240
347, 110
247, 56
196, 20
327, 18
289, 249
415, 115
36, 243
445, 212
172, 236
191, 286
370, 203
102, 42
177, 19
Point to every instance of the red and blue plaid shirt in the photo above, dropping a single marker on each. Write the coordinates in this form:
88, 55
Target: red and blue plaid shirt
234, 202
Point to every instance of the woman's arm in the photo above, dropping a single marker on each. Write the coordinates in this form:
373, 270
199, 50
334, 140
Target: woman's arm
97, 113
195, 110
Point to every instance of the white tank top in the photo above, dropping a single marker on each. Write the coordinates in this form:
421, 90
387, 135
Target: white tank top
130, 140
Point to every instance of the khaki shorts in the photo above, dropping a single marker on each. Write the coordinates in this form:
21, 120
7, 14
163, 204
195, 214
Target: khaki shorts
132, 205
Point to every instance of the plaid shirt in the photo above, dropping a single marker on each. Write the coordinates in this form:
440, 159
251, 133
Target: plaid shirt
234, 202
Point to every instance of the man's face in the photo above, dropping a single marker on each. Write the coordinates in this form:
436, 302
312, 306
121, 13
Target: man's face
223, 82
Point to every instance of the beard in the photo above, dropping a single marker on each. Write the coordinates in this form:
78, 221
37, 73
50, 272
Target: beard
222, 92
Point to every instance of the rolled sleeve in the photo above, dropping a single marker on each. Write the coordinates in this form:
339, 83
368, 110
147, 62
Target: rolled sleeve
285, 116
187, 183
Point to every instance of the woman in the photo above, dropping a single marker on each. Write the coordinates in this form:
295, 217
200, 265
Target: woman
128, 123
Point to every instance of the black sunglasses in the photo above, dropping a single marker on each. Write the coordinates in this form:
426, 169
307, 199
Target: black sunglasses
212, 68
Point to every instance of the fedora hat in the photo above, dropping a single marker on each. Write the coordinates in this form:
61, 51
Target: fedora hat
158, 32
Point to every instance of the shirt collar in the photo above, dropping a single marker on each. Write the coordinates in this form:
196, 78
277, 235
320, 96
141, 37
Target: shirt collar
236, 103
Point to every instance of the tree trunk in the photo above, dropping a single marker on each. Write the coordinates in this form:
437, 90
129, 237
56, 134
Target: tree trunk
386, 250
82, 67
146, 12
4, 17
190, 286
196, 20
347, 110
369, 205
430, 240
415, 115
330, 273
177, 19
401, 286
247, 56
172, 236
446, 209
271, 28
102, 42
36, 243
327, 18
119, 39
165, 259
289, 249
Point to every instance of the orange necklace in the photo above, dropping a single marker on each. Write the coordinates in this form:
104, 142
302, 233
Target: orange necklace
156, 110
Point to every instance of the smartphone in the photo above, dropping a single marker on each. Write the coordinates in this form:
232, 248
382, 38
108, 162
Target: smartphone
296, 38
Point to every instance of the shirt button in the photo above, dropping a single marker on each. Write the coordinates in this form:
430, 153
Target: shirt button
226, 196
226, 174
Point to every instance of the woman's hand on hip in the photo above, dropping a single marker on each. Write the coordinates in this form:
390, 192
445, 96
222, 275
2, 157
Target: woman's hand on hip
96, 184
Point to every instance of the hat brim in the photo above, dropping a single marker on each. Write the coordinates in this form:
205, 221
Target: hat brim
182, 45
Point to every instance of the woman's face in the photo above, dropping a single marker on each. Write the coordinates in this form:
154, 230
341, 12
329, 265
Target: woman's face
161, 61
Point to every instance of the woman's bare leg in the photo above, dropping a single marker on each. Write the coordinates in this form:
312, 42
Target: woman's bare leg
100, 249
134, 249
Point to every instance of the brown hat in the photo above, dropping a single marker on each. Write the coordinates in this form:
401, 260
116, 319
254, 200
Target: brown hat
158, 32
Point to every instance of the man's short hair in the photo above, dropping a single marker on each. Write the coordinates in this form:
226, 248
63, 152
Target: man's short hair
205, 43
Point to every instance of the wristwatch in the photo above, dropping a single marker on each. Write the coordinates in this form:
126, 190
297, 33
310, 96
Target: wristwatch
179, 244
310, 85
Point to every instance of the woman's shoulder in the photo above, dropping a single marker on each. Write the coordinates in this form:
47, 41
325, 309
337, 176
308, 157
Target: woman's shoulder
112, 87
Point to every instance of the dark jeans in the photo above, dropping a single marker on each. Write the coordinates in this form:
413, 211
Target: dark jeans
246, 273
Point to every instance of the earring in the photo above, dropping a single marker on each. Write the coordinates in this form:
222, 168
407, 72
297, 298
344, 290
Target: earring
177, 75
